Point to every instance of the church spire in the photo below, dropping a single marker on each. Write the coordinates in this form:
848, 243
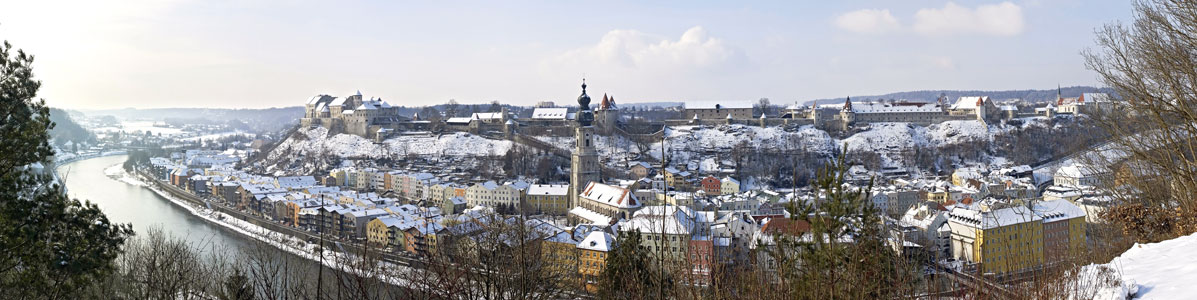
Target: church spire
1059, 98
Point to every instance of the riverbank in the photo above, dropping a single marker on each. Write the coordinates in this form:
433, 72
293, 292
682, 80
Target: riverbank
66, 158
290, 244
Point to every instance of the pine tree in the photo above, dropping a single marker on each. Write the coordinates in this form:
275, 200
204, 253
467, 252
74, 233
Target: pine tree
846, 255
52, 246
628, 274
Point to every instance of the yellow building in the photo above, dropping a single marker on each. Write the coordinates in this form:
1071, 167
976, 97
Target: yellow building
1017, 238
1063, 229
550, 199
560, 250
339, 176
386, 232
592, 258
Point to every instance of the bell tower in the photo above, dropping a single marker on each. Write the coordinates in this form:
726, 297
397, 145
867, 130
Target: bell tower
584, 166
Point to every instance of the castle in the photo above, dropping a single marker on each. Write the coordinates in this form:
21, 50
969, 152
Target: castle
352, 115
979, 108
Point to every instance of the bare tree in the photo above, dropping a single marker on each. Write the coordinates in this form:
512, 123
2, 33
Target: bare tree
1152, 64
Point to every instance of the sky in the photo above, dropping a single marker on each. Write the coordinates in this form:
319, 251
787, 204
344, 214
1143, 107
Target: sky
257, 54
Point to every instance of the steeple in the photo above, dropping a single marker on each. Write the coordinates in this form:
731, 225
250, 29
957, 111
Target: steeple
1059, 98
584, 100
584, 115
848, 104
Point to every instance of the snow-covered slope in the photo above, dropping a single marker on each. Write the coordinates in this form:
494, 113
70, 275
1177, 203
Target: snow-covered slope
684, 141
313, 150
1164, 270
898, 136
694, 142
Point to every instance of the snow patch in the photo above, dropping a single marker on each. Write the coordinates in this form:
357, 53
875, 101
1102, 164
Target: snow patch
1164, 270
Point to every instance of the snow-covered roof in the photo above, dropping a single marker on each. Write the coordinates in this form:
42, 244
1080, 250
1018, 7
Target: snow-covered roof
458, 121
337, 101
554, 113
598, 240
1077, 171
549, 189
663, 219
1095, 97
993, 218
318, 99
893, 107
296, 181
1057, 210
590, 215
610, 195
970, 102
731, 180
487, 116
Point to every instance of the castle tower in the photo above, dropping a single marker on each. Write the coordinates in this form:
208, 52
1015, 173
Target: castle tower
847, 116
981, 109
606, 116
584, 166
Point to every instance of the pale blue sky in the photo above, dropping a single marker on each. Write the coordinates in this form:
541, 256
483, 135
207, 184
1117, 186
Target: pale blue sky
278, 53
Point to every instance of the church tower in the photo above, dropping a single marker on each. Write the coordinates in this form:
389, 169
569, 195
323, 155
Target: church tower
584, 167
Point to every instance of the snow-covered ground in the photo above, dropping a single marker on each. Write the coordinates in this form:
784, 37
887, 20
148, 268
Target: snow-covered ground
612, 147
1164, 270
318, 142
685, 141
693, 143
454, 144
899, 136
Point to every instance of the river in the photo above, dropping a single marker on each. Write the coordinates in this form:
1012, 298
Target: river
127, 203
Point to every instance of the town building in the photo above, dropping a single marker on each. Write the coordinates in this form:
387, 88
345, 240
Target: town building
592, 257
547, 198
602, 204
717, 113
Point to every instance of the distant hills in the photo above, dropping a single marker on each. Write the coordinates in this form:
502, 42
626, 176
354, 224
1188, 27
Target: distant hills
267, 119
1032, 96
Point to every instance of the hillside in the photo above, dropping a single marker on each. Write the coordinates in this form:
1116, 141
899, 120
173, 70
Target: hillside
66, 130
1033, 96
1164, 270
312, 150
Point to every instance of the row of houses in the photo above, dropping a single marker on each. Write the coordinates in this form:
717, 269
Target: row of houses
453, 196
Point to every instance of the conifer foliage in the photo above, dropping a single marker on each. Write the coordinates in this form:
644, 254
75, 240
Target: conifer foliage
51, 246
845, 254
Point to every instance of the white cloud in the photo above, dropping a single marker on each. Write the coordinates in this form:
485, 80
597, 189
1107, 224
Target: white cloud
942, 62
868, 21
1002, 19
637, 50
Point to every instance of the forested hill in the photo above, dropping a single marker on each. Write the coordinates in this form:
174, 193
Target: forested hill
1025, 95
65, 128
